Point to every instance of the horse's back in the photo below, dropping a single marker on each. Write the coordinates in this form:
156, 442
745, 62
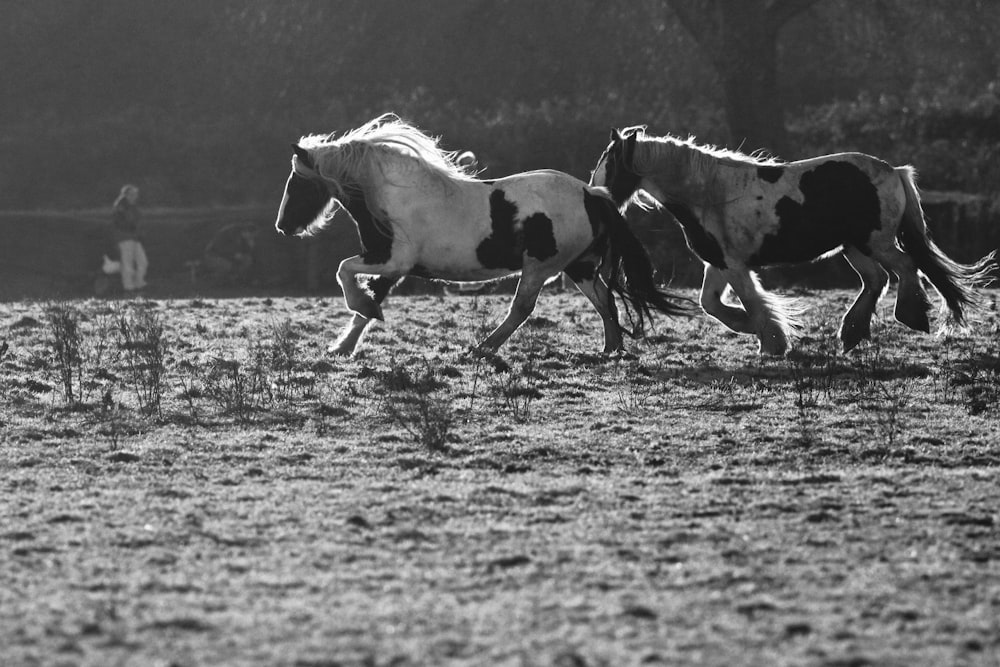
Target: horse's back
874, 168
539, 178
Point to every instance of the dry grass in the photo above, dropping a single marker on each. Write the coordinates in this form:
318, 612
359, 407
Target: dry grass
692, 504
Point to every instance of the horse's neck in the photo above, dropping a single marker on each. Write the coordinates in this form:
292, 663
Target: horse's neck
375, 234
677, 170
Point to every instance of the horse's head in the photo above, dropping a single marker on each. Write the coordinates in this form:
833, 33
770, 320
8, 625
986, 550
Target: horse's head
614, 170
306, 195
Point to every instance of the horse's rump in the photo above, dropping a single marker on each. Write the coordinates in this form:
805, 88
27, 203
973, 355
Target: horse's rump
819, 206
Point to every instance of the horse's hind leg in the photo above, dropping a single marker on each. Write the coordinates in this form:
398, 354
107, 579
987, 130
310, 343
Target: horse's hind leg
525, 297
584, 274
857, 322
912, 304
349, 338
712, 288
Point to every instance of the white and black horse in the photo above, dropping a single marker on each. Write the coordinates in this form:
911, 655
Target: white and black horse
741, 212
419, 213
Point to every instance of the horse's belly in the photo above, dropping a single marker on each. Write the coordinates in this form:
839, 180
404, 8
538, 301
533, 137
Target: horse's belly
461, 267
479, 276
796, 246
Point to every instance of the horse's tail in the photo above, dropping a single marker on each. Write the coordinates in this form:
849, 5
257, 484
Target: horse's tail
631, 274
956, 283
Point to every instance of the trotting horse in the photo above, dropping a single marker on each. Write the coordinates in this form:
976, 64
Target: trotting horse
419, 213
742, 212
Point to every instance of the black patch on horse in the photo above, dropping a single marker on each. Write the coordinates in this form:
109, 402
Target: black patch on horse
539, 239
621, 181
376, 237
419, 271
306, 200
504, 247
699, 239
769, 173
598, 208
840, 206
580, 270
379, 286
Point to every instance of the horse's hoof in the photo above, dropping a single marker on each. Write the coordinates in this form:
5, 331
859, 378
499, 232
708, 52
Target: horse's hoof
340, 350
490, 356
621, 354
853, 336
850, 344
774, 348
916, 320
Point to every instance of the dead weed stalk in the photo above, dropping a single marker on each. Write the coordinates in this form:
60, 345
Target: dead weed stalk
143, 346
416, 401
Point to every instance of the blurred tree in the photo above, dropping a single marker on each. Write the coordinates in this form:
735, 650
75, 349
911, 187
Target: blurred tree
175, 94
740, 37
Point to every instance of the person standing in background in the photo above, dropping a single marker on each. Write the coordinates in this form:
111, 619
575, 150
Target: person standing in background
125, 226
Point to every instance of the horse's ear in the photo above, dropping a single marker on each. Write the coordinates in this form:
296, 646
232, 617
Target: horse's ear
303, 156
630, 141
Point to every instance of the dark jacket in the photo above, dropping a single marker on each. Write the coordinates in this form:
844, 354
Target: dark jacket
125, 221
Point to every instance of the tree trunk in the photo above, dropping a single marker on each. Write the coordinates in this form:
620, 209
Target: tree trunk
741, 39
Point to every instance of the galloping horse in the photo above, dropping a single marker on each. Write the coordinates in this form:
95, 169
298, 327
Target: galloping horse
419, 213
741, 212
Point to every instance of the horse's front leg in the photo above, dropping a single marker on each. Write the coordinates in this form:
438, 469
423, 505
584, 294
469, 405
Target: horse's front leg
712, 288
772, 318
357, 299
349, 338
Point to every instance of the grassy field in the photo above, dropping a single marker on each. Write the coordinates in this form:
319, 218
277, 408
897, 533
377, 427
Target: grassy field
195, 482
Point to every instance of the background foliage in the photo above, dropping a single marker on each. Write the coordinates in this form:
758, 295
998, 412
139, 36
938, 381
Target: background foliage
197, 102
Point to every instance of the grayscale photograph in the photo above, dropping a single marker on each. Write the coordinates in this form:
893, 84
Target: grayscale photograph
527, 333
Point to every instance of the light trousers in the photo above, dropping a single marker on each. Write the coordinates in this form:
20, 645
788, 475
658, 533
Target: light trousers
134, 265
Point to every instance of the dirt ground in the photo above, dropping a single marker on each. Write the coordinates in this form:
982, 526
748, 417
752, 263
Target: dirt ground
261, 503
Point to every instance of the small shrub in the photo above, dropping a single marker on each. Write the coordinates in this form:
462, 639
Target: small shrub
635, 387
883, 396
239, 388
415, 401
806, 396
282, 357
516, 390
143, 346
973, 379
112, 420
66, 344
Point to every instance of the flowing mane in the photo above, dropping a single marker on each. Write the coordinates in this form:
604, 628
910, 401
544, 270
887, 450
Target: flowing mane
654, 152
350, 162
